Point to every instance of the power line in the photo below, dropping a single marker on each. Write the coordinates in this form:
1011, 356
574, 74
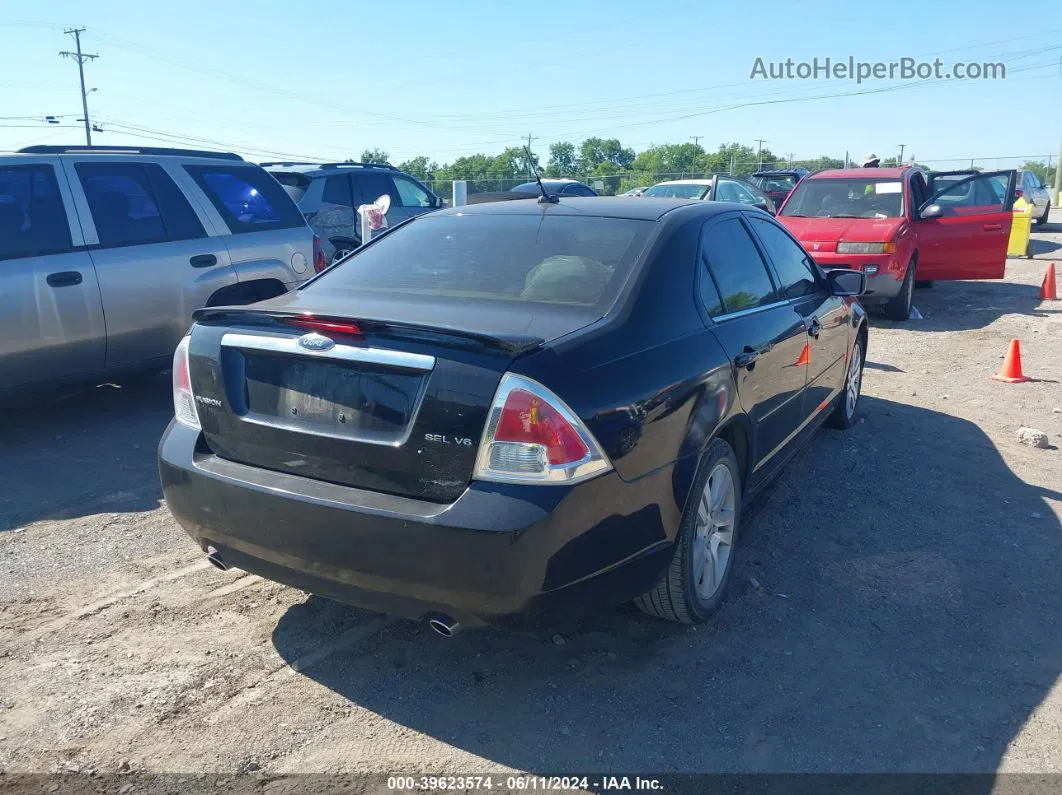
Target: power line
81, 58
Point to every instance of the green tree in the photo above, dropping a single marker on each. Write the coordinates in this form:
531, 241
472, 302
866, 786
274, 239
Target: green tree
595, 152
562, 160
670, 161
374, 156
1044, 172
420, 167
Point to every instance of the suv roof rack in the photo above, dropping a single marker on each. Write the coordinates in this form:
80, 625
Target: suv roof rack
287, 163
355, 164
126, 150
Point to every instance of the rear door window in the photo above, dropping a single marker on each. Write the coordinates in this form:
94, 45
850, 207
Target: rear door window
337, 191
736, 268
33, 221
371, 185
136, 204
295, 184
561, 260
247, 198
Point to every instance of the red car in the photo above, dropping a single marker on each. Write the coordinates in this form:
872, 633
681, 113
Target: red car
902, 224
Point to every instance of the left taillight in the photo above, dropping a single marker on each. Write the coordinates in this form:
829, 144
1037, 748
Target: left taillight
319, 261
183, 399
531, 436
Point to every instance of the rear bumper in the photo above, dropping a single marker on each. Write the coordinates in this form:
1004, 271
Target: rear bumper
515, 556
884, 272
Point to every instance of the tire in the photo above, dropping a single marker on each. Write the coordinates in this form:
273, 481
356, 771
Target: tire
1043, 219
684, 594
843, 415
899, 308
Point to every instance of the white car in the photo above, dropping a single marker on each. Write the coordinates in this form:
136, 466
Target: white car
717, 188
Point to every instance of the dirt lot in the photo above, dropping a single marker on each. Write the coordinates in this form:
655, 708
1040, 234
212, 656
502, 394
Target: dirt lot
898, 606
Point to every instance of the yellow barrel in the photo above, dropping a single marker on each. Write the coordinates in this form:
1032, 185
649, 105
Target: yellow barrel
1020, 229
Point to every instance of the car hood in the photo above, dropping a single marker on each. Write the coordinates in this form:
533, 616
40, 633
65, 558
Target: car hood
831, 230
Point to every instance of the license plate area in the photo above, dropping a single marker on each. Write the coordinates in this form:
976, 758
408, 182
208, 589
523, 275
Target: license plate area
359, 401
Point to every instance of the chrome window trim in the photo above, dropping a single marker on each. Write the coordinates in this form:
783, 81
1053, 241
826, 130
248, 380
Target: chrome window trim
346, 353
751, 311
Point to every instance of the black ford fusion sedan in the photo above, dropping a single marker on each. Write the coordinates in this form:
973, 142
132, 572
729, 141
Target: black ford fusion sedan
512, 413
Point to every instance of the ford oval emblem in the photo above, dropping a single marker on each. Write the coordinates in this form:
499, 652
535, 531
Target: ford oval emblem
316, 342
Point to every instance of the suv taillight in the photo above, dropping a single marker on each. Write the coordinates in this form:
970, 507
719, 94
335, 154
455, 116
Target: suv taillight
531, 436
183, 399
319, 261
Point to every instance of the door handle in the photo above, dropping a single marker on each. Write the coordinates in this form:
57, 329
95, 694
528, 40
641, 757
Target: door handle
747, 358
992, 227
64, 279
814, 328
203, 260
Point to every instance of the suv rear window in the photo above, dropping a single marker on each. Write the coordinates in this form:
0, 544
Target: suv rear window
294, 183
32, 219
248, 199
574, 261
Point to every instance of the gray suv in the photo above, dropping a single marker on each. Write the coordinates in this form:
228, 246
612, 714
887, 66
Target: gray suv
329, 193
105, 253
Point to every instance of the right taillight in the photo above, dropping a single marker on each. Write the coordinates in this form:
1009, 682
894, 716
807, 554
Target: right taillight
531, 436
319, 260
183, 399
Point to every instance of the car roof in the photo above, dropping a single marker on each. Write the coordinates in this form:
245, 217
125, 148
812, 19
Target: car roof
883, 173
703, 181
632, 207
778, 172
322, 169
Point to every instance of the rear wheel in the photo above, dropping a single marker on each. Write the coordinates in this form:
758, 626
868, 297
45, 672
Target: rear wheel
694, 585
899, 308
1044, 217
844, 413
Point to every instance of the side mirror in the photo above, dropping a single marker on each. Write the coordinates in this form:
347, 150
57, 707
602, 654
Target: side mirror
761, 203
440, 202
845, 282
931, 211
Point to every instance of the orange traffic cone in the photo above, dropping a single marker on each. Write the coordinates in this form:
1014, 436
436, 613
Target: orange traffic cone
805, 357
1048, 291
1011, 371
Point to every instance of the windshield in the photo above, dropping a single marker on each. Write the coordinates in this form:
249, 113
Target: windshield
857, 197
677, 191
576, 261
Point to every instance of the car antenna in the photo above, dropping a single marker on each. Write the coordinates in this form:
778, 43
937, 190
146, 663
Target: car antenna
546, 197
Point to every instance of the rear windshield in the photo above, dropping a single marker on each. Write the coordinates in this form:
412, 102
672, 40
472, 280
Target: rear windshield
566, 260
676, 191
776, 182
294, 183
860, 197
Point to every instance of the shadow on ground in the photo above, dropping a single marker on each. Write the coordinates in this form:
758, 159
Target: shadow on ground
895, 608
960, 306
83, 451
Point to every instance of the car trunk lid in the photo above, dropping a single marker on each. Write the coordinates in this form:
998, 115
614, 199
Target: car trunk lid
381, 395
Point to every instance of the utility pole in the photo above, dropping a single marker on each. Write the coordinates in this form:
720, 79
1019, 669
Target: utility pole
900, 161
696, 142
81, 57
530, 138
790, 165
759, 148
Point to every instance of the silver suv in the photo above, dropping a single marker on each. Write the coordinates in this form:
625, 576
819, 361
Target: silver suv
329, 193
105, 253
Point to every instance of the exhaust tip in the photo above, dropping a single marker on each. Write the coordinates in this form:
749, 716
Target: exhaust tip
445, 626
215, 559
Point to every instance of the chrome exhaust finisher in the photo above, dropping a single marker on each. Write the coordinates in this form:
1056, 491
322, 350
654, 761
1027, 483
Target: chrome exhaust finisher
215, 559
444, 625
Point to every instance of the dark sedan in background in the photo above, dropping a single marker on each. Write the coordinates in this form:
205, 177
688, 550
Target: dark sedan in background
514, 413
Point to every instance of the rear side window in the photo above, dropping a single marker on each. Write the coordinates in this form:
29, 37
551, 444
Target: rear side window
736, 267
337, 191
248, 199
791, 262
32, 219
411, 194
560, 260
136, 203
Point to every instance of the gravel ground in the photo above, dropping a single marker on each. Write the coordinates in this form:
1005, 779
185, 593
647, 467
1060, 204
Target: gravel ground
896, 606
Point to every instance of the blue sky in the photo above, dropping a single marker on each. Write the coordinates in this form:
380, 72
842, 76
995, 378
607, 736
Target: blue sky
326, 79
